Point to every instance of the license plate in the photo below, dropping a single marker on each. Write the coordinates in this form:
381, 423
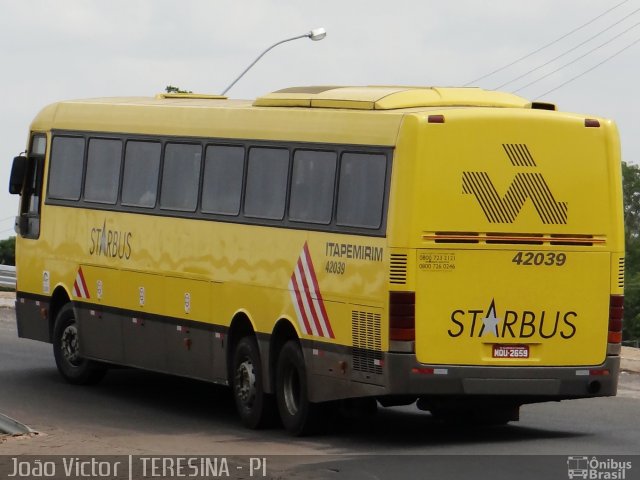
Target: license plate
511, 351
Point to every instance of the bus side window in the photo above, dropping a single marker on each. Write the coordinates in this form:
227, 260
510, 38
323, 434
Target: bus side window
65, 172
103, 170
141, 170
267, 173
312, 186
222, 183
180, 177
361, 190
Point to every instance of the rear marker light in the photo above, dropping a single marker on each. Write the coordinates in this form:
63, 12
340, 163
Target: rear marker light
616, 314
425, 371
615, 324
614, 337
430, 371
435, 118
596, 372
617, 301
591, 123
402, 316
402, 334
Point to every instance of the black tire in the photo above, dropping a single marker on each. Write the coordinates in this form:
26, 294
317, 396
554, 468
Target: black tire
66, 348
299, 416
255, 407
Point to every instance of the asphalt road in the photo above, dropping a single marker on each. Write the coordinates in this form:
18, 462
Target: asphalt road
140, 413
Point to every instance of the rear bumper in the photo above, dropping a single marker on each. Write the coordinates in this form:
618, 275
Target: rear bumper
336, 376
406, 376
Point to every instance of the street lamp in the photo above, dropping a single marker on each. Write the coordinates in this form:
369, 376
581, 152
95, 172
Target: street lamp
315, 35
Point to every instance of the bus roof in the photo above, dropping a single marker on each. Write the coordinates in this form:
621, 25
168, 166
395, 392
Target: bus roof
389, 98
359, 115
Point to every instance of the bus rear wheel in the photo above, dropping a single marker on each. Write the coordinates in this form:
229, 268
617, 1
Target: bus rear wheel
255, 407
299, 416
66, 351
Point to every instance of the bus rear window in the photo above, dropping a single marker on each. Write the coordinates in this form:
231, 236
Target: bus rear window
361, 190
141, 169
67, 158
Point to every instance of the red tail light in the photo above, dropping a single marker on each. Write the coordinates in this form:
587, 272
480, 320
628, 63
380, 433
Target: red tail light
616, 314
402, 316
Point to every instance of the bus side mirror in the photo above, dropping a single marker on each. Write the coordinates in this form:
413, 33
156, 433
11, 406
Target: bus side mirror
18, 173
21, 226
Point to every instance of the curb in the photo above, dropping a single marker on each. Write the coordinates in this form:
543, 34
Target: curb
12, 427
631, 366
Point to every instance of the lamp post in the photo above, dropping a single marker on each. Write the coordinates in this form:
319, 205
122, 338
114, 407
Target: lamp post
315, 35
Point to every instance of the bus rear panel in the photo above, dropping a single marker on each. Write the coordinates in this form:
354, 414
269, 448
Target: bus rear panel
513, 240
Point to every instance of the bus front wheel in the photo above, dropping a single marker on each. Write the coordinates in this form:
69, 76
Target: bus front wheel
66, 351
255, 407
299, 416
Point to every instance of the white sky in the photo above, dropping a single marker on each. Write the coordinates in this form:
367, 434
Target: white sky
55, 50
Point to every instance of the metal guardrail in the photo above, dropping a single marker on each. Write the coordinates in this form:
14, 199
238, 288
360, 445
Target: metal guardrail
7, 276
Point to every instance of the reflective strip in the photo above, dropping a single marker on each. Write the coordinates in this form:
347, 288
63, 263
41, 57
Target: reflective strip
307, 299
80, 289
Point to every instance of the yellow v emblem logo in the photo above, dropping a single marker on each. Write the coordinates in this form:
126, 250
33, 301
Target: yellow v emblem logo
528, 185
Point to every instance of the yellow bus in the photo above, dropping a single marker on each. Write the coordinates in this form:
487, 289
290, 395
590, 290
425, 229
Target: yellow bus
322, 246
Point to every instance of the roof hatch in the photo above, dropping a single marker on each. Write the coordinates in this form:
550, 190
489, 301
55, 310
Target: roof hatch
388, 98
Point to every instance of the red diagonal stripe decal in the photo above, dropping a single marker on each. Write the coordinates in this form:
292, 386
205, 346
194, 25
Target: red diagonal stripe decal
307, 299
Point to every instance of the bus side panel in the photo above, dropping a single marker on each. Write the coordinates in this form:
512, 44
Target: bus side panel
101, 334
100, 328
30, 321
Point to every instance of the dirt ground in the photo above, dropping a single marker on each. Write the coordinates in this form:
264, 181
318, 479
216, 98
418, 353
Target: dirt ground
7, 299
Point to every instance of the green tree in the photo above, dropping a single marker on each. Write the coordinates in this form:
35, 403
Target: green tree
631, 196
8, 251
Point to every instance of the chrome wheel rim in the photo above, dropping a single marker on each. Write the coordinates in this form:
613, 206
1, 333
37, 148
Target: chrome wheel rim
245, 384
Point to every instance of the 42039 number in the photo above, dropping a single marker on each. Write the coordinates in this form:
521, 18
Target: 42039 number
337, 268
550, 259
